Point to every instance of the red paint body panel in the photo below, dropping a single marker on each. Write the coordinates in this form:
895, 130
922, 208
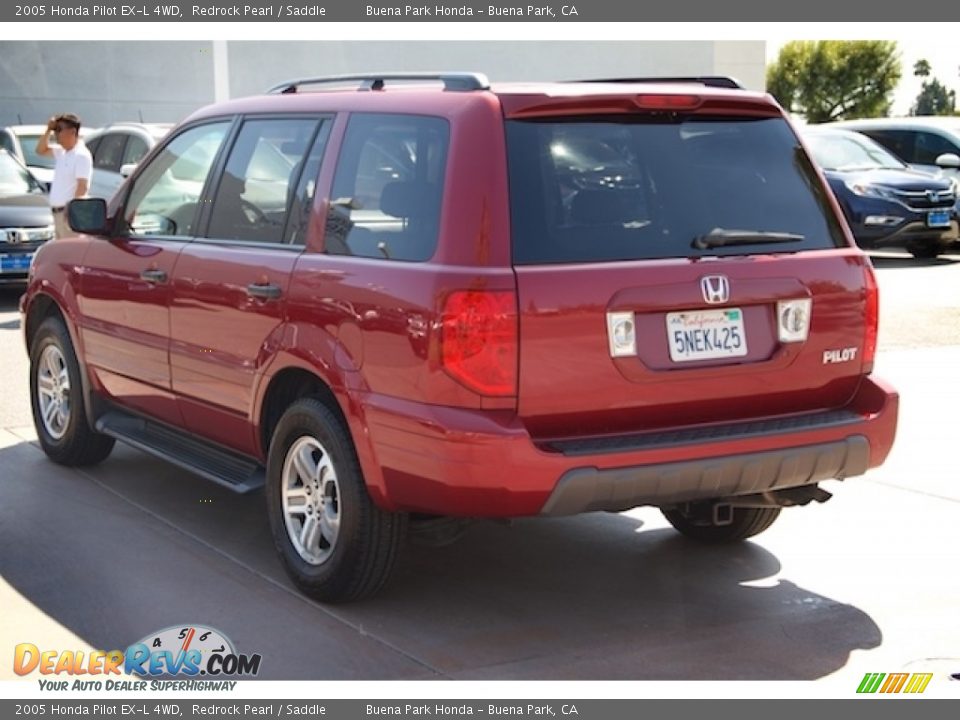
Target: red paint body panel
125, 323
221, 338
563, 340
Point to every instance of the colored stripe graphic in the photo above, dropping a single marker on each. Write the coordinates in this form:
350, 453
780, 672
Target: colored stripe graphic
895, 682
870, 682
918, 682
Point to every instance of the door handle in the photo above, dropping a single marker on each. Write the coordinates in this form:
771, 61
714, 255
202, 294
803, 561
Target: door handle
154, 276
264, 291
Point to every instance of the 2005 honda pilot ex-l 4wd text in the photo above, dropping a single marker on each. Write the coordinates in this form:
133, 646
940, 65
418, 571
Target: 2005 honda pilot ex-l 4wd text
395, 298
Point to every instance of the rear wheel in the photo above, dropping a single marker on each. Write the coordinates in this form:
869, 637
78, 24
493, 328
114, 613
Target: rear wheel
335, 543
745, 522
56, 397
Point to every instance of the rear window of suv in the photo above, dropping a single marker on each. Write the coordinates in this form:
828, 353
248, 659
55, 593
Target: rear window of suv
593, 190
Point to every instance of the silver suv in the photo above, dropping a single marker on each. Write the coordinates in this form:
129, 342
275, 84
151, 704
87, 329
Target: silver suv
116, 151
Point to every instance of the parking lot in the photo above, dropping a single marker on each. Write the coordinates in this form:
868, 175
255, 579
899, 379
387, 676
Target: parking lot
864, 583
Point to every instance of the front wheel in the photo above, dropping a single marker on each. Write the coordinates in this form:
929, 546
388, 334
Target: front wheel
925, 250
745, 523
56, 398
335, 544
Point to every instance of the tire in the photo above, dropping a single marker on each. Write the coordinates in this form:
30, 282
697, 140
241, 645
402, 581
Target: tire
350, 547
57, 401
746, 523
925, 250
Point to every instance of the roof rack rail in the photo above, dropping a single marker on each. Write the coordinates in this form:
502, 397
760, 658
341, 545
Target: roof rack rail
457, 81
717, 81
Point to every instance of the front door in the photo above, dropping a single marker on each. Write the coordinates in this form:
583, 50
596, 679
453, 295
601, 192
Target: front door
229, 294
125, 287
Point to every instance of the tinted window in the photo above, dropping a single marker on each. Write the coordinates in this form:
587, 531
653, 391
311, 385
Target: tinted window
586, 191
165, 197
92, 145
109, 152
135, 150
930, 146
256, 188
388, 187
899, 142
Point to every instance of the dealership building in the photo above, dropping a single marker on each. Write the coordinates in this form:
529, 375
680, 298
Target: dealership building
105, 82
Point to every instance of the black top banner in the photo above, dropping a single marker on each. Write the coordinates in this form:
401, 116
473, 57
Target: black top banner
259, 11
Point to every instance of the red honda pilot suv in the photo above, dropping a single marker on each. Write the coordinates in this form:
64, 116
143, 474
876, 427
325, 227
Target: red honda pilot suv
397, 298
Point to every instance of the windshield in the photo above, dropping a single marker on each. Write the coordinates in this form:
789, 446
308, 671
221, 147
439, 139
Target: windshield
28, 145
833, 151
14, 180
598, 189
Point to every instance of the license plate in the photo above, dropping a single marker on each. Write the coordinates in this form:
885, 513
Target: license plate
15, 263
706, 334
938, 218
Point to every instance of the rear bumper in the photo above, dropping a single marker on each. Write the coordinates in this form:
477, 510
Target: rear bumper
449, 461
589, 489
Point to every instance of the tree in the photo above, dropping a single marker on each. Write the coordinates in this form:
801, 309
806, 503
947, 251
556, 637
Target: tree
934, 97
828, 80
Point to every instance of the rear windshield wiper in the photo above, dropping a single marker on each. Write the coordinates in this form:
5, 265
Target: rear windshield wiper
718, 237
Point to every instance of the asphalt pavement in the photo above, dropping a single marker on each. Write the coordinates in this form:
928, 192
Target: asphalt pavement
100, 557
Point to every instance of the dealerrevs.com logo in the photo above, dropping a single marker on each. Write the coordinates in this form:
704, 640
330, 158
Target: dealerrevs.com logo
179, 651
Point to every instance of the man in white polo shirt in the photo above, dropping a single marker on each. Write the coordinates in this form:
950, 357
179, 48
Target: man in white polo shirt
72, 170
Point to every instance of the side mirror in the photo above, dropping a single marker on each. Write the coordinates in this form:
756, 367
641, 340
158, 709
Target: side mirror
88, 215
127, 169
948, 160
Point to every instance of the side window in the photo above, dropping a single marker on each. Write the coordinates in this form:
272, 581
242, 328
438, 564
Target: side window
7, 144
388, 186
258, 183
135, 150
109, 151
165, 198
899, 142
306, 188
93, 144
931, 146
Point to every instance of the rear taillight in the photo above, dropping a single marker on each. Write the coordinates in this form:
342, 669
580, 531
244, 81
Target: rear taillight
871, 317
479, 340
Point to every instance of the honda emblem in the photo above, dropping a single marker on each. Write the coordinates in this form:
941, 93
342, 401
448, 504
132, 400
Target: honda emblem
715, 289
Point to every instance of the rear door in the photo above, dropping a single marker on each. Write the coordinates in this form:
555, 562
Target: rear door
669, 266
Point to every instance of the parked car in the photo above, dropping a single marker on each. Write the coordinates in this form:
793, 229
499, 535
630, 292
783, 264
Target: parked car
21, 142
117, 149
885, 201
926, 143
25, 219
473, 301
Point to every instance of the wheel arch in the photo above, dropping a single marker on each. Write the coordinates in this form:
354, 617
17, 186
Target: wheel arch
43, 305
295, 381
